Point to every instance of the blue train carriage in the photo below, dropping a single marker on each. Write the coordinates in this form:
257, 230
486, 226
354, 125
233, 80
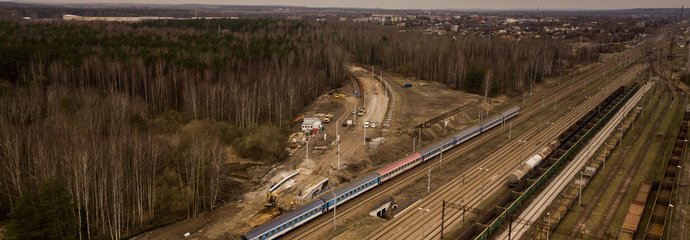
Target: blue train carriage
350, 190
286, 222
492, 122
510, 113
434, 149
466, 134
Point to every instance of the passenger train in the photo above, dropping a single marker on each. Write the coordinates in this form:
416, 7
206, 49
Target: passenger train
330, 199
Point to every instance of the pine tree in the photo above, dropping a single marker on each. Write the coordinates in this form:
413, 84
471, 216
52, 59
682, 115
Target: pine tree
50, 215
23, 222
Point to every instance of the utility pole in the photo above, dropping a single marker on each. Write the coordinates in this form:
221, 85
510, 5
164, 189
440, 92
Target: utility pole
606, 149
354, 114
335, 204
440, 159
428, 183
420, 137
443, 216
424, 226
670, 219
483, 182
365, 136
580, 195
548, 225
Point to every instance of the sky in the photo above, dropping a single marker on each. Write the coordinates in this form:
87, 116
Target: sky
422, 4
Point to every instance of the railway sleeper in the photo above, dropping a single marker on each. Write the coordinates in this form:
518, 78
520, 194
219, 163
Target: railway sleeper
671, 171
667, 183
664, 196
658, 216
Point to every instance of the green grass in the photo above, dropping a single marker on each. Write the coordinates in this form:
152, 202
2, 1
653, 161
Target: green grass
637, 137
651, 158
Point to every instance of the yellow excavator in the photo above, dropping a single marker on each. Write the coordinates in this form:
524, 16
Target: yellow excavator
270, 199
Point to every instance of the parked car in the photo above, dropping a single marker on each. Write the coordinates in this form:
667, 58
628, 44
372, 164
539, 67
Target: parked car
366, 124
372, 125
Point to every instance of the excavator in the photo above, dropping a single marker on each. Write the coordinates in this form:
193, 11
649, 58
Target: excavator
270, 199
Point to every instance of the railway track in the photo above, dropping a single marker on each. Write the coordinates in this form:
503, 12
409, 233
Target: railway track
323, 223
404, 231
403, 226
663, 202
601, 228
539, 203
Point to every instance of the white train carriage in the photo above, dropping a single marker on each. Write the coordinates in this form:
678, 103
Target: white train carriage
400, 166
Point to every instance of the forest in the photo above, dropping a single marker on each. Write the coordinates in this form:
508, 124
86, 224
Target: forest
484, 66
110, 129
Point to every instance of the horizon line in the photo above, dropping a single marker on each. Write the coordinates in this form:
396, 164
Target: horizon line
335, 7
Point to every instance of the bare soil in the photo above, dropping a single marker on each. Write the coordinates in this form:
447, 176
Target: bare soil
251, 180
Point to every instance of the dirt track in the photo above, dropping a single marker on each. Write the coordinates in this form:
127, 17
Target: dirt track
415, 106
375, 97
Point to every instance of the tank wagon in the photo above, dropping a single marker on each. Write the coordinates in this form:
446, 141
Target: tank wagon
532, 162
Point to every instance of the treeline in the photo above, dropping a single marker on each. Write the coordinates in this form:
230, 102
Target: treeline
124, 173
487, 66
245, 72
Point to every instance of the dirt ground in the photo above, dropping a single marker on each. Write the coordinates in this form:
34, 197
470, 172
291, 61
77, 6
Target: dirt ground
415, 105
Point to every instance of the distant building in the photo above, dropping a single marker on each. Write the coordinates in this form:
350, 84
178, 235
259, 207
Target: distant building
70, 17
381, 18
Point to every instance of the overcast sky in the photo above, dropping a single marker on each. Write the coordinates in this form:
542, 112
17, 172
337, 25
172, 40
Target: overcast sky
424, 4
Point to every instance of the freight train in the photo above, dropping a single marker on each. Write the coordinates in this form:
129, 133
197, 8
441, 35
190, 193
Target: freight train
335, 197
532, 162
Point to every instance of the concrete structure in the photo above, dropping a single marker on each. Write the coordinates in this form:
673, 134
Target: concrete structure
309, 124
